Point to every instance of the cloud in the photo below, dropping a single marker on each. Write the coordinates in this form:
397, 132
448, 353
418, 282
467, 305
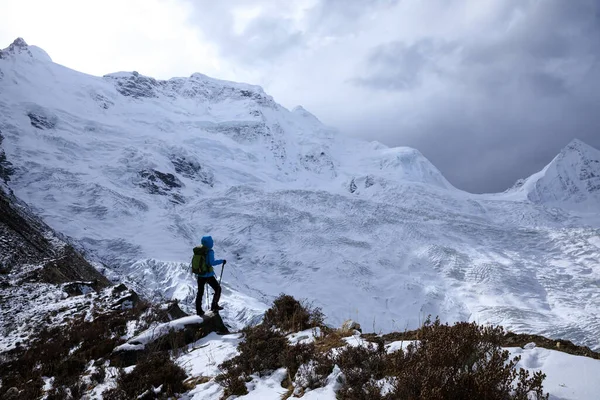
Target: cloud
489, 101
400, 66
250, 32
153, 37
342, 17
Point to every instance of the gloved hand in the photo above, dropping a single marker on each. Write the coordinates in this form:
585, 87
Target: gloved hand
224, 262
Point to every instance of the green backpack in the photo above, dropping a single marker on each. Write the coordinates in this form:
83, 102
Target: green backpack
200, 260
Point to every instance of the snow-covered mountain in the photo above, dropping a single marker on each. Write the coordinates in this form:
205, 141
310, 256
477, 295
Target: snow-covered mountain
571, 180
136, 170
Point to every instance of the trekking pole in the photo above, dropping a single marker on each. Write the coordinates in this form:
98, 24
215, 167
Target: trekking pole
221, 277
206, 288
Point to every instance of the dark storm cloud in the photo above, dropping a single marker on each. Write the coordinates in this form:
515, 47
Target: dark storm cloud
488, 91
399, 66
511, 101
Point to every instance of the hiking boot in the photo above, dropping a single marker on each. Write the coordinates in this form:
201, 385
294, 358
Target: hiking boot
216, 308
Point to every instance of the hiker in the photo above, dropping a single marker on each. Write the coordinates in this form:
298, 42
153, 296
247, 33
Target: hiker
203, 262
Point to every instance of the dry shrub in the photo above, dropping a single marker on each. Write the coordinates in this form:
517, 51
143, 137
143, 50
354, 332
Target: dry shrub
265, 349
463, 361
232, 379
261, 352
99, 375
63, 352
155, 371
363, 366
296, 355
290, 315
262, 349
75, 391
314, 373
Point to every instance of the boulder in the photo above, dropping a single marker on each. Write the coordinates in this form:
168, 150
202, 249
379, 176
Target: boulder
168, 336
350, 325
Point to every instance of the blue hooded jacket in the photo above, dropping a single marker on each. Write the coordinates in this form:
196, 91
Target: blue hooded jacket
207, 241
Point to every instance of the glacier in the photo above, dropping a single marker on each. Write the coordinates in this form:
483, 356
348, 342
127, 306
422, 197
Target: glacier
136, 170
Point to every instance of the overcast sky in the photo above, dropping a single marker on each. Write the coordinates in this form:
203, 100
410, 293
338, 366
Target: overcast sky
488, 90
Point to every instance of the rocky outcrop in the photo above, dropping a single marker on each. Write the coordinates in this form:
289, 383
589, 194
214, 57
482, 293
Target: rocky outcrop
161, 183
168, 336
192, 169
41, 121
136, 85
197, 86
18, 46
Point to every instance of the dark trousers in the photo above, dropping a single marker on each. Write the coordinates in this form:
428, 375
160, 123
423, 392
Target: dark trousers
214, 284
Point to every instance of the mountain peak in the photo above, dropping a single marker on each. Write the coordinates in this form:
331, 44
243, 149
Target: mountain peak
580, 147
570, 180
306, 114
20, 46
299, 109
16, 47
19, 42
579, 151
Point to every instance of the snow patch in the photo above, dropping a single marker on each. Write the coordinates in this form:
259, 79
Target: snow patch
304, 337
151, 334
567, 376
204, 356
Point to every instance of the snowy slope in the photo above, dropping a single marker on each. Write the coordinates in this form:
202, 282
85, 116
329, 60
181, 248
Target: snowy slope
137, 170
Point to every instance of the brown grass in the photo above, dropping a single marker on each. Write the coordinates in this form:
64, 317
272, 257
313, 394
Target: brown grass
330, 339
192, 382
